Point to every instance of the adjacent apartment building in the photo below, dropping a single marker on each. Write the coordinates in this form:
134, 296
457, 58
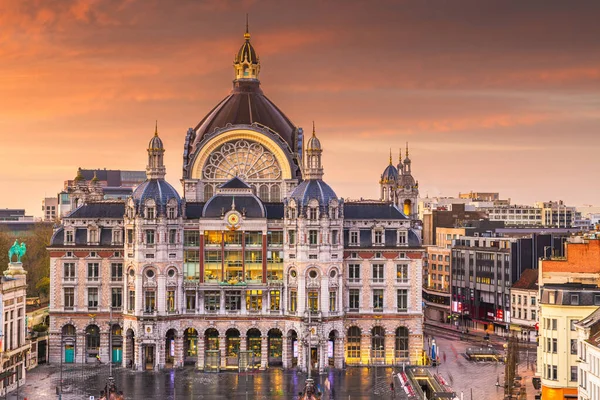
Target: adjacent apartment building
568, 294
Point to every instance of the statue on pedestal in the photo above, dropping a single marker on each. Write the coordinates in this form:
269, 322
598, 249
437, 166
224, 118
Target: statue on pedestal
18, 250
16, 268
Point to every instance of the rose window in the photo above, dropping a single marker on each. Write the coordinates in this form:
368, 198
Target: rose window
244, 159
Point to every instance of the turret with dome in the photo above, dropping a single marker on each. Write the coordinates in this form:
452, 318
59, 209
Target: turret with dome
156, 192
397, 185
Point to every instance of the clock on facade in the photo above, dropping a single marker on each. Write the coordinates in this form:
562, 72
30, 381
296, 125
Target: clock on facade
233, 219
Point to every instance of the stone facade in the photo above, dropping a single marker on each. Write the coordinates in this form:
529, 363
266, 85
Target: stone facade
260, 264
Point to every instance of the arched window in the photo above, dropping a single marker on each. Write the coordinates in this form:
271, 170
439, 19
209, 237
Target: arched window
275, 193
401, 343
264, 193
378, 342
353, 343
68, 330
208, 192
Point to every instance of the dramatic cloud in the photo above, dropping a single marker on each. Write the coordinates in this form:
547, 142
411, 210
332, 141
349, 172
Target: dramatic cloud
492, 95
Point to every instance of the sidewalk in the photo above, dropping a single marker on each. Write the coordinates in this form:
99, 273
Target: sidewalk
475, 334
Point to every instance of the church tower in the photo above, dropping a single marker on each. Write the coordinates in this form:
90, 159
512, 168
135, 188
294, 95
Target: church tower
407, 192
388, 182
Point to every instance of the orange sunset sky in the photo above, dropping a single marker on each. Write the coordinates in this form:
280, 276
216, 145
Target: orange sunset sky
492, 95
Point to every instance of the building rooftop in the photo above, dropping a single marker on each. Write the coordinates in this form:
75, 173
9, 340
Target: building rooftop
528, 280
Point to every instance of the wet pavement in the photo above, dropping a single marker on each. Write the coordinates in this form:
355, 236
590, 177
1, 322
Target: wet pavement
81, 383
353, 383
478, 378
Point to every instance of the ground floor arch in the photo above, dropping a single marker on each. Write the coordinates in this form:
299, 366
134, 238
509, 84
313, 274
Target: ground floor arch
275, 344
130, 348
170, 348
92, 343
190, 346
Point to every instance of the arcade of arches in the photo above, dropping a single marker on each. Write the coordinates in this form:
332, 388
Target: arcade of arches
213, 350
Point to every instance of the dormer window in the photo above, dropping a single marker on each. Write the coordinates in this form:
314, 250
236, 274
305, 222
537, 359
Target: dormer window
117, 236
171, 213
402, 238
378, 237
69, 237
354, 238
93, 235
150, 213
292, 214
312, 213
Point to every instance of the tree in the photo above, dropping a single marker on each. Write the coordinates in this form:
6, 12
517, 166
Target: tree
43, 287
36, 260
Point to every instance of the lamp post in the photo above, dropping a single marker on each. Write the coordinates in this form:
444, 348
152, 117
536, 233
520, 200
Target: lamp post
61, 365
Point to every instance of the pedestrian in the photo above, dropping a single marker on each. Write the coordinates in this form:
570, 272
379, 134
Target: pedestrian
392, 386
444, 356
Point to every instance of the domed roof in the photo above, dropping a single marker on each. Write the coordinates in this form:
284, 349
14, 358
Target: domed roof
158, 190
244, 106
247, 52
390, 174
155, 142
313, 189
313, 144
247, 204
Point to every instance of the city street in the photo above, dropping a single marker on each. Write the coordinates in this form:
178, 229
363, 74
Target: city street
479, 377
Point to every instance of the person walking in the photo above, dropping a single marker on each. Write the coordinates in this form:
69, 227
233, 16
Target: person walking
444, 356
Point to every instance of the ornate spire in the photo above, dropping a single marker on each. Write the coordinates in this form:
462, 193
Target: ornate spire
155, 168
390, 156
95, 178
314, 168
247, 34
400, 155
246, 64
406, 149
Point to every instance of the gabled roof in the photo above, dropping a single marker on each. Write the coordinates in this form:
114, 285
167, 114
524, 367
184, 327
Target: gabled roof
372, 210
528, 280
235, 183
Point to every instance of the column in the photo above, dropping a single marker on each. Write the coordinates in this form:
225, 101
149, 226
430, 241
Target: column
104, 351
160, 294
201, 255
223, 350
390, 345
201, 342
264, 352
159, 355
80, 356
286, 352
125, 347
243, 343
365, 349
139, 356
301, 355
323, 359
338, 353
264, 258
178, 361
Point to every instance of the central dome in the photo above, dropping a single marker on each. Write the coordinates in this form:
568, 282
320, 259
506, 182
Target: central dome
244, 106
